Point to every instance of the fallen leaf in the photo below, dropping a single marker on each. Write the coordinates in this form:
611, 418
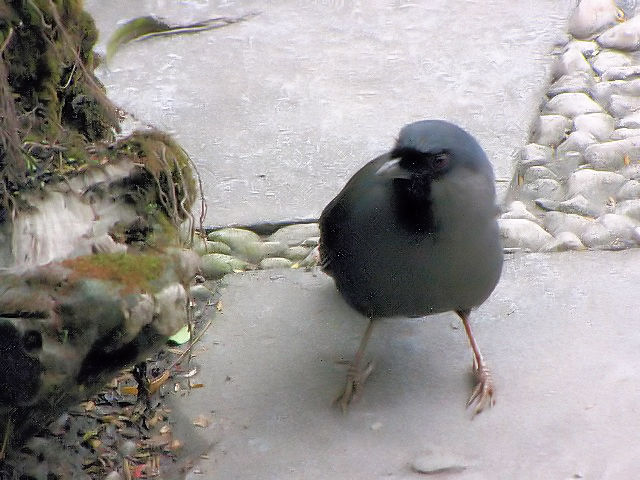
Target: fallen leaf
156, 383
219, 306
127, 390
197, 385
202, 421
191, 373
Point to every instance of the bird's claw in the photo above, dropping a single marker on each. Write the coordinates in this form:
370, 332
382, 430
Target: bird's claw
482, 394
353, 385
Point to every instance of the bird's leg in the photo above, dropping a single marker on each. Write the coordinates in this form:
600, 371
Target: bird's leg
482, 394
356, 376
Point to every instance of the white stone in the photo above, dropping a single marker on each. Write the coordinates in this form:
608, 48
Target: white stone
577, 141
592, 16
564, 241
600, 125
571, 61
543, 188
518, 209
630, 121
622, 133
557, 222
572, 83
594, 185
629, 208
610, 59
629, 191
625, 36
534, 154
611, 155
623, 105
550, 130
524, 234
572, 105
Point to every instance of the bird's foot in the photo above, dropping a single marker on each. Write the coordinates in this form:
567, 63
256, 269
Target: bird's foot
482, 394
353, 386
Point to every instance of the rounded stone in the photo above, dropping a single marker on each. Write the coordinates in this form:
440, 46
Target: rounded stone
295, 234
543, 187
629, 191
113, 475
577, 141
621, 87
200, 292
620, 226
623, 105
566, 163
589, 48
580, 206
629, 208
217, 265
565, 241
558, 222
596, 236
594, 185
202, 247
625, 36
599, 125
550, 130
610, 59
296, 253
592, 16
572, 60
537, 172
275, 262
311, 242
577, 82
518, 209
523, 234
611, 155
623, 133
630, 121
621, 73
236, 238
256, 251
572, 105
534, 154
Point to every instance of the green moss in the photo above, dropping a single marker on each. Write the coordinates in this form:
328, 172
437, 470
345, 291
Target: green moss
135, 272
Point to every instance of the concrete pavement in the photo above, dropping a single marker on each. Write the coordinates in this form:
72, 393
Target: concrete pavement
560, 334
279, 111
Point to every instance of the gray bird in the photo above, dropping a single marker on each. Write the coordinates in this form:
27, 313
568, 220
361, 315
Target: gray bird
414, 233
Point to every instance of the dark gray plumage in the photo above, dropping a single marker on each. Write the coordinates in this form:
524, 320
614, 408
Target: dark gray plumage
413, 233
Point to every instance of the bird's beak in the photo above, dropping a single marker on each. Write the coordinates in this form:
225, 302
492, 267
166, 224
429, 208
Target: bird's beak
392, 169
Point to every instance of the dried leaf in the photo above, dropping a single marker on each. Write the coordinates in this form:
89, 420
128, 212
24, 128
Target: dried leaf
156, 383
219, 306
202, 421
190, 373
197, 385
126, 390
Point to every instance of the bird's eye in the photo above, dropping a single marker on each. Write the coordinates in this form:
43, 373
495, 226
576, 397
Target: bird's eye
440, 161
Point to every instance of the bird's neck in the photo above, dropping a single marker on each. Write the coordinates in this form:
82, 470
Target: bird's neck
412, 205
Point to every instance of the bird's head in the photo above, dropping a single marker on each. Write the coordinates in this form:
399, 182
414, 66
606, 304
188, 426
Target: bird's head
430, 149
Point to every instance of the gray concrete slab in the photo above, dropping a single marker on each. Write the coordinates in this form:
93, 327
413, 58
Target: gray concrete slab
278, 112
560, 334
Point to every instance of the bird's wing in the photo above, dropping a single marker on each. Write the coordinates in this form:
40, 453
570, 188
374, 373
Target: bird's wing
336, 218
